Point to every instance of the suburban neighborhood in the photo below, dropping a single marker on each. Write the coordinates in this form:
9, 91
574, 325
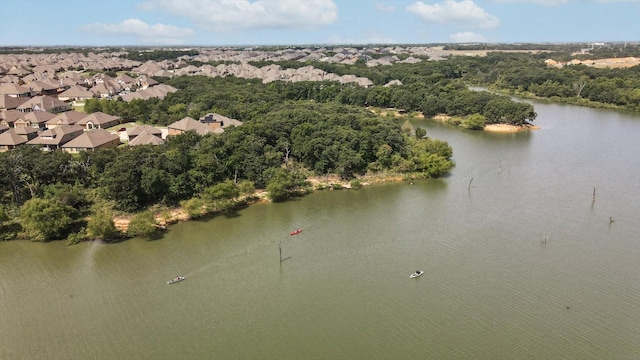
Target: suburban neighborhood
42, 94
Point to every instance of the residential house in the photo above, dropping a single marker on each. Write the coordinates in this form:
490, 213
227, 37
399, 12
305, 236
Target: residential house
3, 128
9, 117
53, 139
65, 119
35, 119
44, 103
138, 130
75, 93
14, 90
38, 87
144, 138
92, 140
99, 120
218, 122
9, 102
188, 124
16, 137
104, 90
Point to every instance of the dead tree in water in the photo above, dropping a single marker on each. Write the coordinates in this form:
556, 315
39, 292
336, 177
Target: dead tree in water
280, 250
469, 187
594, 193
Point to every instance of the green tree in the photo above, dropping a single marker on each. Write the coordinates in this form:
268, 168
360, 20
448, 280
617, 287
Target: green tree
45, 219
279, 185
142, 224
474, 122
101, 226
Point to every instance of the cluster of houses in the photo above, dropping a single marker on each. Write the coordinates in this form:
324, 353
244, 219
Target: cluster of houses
72, 131
39, 92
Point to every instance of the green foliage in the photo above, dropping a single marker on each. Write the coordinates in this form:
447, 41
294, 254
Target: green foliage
223, 190
474, 122
195, 207
76, 237
355, 184
101, 226
143, 225
3, 214
45, 219
280, 185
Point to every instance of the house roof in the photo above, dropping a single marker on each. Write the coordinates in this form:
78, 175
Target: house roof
98, 118
55, 136
225, 121
26, 130
10, 102
13, 89
67, 118
188, 123
138, 130
10, 116
38, 117
11, 138
43, 102
91, 139
76, 91
144, 138
39, 86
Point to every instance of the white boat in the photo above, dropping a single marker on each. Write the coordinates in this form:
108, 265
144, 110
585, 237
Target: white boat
416, 274
176, 279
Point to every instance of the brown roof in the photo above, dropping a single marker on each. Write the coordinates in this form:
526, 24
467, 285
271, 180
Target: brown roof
10, 102
57, 135
138, 130
13, 89
76, 91
44, 103
98, 118
146, 139
38, 117
188, 123
11, 138
10, 116
91, 139
67, 118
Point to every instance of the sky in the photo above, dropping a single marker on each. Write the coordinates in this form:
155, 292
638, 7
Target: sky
314, 22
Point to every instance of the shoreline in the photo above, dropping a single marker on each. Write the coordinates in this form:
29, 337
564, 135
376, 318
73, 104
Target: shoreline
499, 128
169, 216
502, 128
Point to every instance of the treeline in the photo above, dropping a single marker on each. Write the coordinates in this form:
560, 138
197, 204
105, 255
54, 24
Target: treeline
54, 195
427, 91
157, 54
527, 76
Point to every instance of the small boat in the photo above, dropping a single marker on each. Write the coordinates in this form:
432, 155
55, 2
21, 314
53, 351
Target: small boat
176, 279
296, 232
416, 274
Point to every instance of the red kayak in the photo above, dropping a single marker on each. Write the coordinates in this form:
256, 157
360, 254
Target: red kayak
296, 232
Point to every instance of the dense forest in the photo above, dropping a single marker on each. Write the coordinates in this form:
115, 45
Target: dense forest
56, 195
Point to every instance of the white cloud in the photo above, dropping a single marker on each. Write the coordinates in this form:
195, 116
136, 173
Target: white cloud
541, 2
384, 7
464, 13
370, 38
145, 33
229, 15
561, 2
467, 37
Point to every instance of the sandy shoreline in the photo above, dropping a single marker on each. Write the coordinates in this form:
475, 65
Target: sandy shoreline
493, 127
509, 128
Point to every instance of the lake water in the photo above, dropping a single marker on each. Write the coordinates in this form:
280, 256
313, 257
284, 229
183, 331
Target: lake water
520, 263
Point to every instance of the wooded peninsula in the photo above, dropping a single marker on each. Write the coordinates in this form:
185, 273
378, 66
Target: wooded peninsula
291, 132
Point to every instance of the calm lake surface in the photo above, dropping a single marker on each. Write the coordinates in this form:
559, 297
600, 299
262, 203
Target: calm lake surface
492, 288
